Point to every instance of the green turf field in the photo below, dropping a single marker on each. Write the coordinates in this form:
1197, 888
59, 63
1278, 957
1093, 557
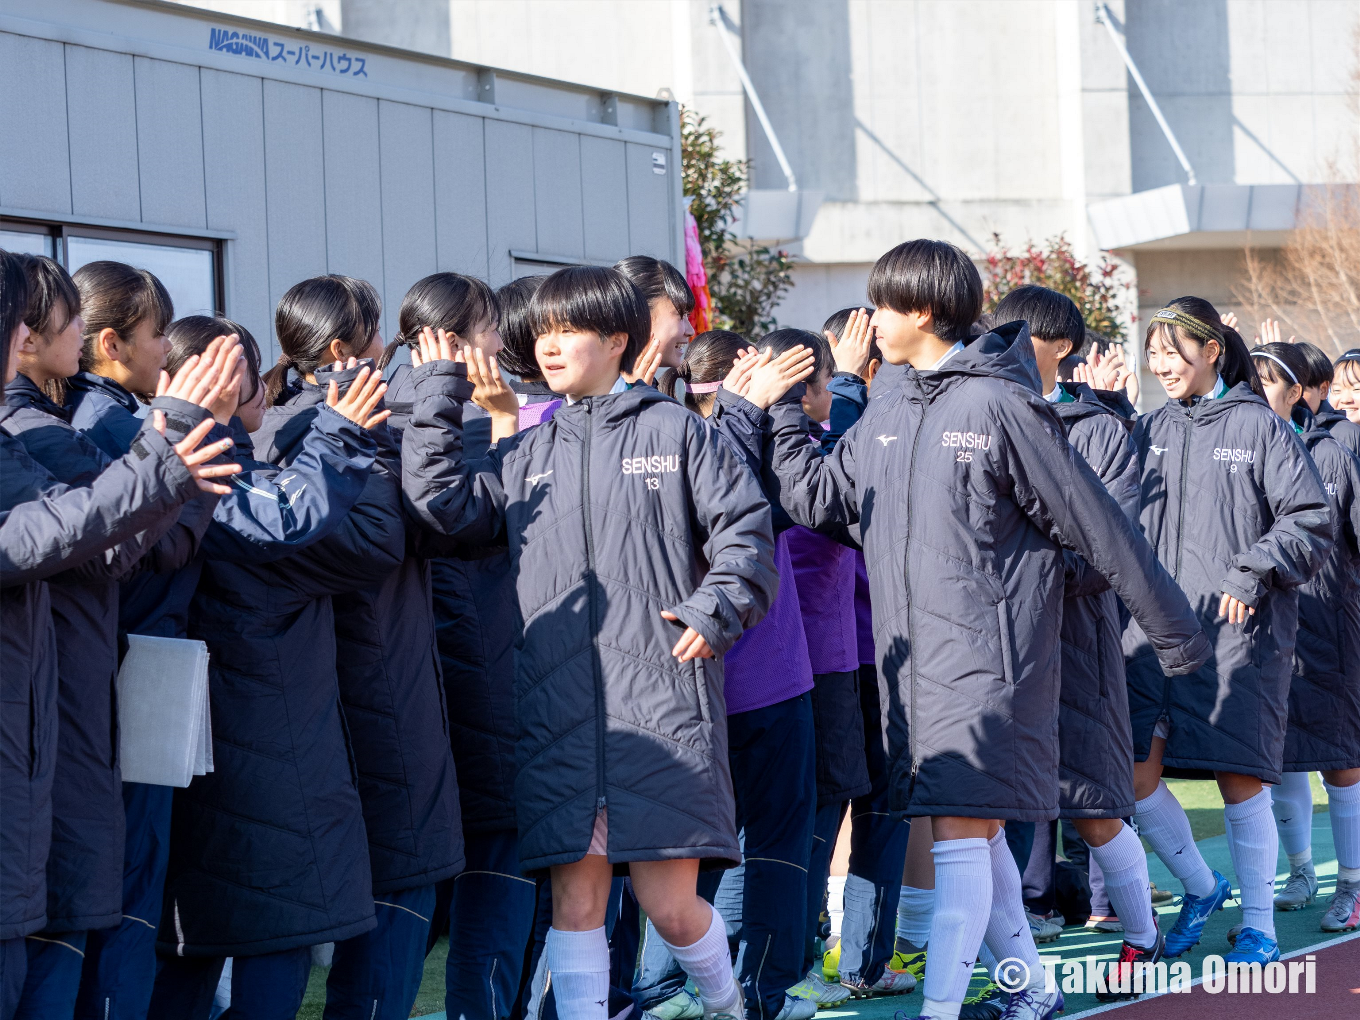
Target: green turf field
1205, 808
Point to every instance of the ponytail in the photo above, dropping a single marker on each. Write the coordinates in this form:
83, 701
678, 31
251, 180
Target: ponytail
708, 358
312, 314
452, 302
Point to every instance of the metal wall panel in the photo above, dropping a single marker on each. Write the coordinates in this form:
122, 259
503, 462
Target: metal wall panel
557, 192
354, 226
649, 207
510, 221
233, 174
102, 127
294, 184
169, 143
408, 204
604, 195
460, 193
40, 178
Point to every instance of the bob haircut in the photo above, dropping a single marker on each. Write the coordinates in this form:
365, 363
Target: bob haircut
782, 340
592, 299
657, 279
116, 296
192, 334
1234, 363
447, 301
517, 356
1320, 368
929, 276
708, 358
50, 290
1051, 316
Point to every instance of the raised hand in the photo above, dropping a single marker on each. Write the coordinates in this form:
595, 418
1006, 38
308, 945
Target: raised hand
851, 351
432, 348
738, 379
196, 460
203, 377
647, 363
1270, 333
360, 399
772, 380
491, 392
1229, 319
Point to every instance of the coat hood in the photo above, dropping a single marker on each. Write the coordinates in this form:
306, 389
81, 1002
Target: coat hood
286, 424
1004, 353
607, 409
24, 392
89, 382
1327, 416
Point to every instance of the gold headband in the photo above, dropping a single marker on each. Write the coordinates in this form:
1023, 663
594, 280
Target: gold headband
1195, 326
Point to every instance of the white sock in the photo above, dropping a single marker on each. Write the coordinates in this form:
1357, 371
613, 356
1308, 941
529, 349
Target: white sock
1255, 848
709, 963
963, 903
1344, 808
914, 910
1292, 805
1162, 822
579, 964
986, 958
1008, 935
1124, 867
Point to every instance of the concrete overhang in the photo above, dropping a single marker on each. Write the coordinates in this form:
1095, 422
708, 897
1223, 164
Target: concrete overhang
775, 216
1185, 216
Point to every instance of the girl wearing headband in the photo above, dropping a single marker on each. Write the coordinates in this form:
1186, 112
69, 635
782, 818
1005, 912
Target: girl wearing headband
1235, 510
1324, 694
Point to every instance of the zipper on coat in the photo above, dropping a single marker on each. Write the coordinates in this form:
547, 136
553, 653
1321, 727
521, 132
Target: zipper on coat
911, 627
594, 612
1185, 470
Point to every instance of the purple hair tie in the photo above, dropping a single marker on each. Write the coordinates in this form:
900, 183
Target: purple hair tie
703, 387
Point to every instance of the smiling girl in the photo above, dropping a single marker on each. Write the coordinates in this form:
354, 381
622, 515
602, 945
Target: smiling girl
1234, 507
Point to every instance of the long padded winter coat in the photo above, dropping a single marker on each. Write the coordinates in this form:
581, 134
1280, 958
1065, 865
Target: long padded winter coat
1324, 692
269, 851
46, 529
1342, 429
618, 508
1095, 743
476, 620
963, 485
1232, 503
85, 862
391, 690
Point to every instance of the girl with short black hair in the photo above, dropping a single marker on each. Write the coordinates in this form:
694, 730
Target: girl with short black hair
642, 548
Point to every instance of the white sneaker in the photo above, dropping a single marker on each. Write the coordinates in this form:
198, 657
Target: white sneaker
815, 988
736, 1011
1300, 889
683, 1005
893, 982
796, 1009
1043, 931
1033, 1004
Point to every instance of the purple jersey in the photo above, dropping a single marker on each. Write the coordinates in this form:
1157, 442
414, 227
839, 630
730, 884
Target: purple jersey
769, 663
825, 572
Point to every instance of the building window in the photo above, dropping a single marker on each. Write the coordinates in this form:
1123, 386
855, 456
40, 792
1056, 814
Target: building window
190, 267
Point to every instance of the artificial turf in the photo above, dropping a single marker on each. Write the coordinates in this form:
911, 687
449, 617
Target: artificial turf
1202, 804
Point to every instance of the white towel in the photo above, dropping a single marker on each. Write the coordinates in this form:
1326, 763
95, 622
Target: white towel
164, 725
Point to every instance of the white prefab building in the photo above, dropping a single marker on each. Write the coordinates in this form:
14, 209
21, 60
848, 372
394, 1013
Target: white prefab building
235, 157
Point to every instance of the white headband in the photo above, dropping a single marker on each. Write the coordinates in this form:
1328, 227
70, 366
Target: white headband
1267, 354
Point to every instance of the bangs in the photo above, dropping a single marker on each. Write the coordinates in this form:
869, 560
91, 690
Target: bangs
591, 299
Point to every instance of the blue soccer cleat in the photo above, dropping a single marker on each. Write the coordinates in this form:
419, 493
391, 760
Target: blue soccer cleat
1195, 910
1254, 946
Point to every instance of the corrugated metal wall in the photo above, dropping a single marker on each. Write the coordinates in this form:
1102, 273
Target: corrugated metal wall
312, 180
